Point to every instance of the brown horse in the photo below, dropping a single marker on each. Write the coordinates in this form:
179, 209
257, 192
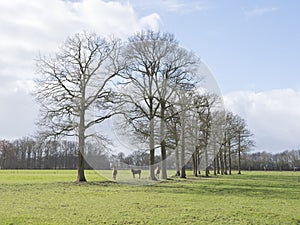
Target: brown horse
114, 173
136, 172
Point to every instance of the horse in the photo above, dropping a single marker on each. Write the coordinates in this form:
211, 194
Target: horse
136, 172
207, 170
157, 172
114, 173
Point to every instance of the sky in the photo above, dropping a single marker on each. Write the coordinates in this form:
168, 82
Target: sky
251, 47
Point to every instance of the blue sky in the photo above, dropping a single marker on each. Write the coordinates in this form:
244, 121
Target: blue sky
252, 48
249, 45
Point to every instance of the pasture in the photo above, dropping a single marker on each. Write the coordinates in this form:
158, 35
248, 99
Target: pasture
51, 197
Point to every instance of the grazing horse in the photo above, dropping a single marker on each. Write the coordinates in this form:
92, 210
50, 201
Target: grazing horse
157, 172
114, 173
136, 172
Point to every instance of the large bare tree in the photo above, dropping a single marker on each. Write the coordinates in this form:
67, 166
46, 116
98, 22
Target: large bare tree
75, 83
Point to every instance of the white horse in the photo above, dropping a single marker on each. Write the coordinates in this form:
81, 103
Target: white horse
114, 173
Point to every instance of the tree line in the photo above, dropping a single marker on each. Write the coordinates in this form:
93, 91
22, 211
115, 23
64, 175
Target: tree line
31, 153
153, 88
286, 160
28, 153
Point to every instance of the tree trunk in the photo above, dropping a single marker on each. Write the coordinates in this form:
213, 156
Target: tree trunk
206, 161
239, 154
198, 162
80, 174
163, 142
225, 155
151, 145
177, 157
215, 160
183, 173
206, 152
81, 141
218, 163
206, 142
80, 171
229, 157
225, 160
221, 161
164, 160
195, 162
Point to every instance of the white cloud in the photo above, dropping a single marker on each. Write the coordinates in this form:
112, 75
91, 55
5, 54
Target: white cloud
259, 11
30, 26
174, 6
33, 26
272, 116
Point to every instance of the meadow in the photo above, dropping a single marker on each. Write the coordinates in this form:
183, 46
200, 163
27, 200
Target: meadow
52, 197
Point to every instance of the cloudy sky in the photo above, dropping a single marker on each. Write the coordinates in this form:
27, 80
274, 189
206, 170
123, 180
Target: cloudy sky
252, 48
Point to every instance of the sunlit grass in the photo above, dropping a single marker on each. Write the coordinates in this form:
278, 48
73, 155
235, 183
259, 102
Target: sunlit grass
44, 176
52, 197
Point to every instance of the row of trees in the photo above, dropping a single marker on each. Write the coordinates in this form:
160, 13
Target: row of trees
158, 90
162, 100
31, 153
287, 160
28, 153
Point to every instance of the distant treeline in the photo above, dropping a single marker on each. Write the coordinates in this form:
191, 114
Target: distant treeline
28, 153
287, 160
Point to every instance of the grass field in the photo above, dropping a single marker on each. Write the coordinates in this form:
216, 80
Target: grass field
51, 197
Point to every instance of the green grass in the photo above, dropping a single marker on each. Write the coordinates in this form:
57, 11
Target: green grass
51, 197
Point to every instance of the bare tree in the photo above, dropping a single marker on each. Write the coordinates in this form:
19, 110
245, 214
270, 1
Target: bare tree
141, 106
74, 82
199, 129
177, 69
230, 134
244, 139
174, 131
184, 102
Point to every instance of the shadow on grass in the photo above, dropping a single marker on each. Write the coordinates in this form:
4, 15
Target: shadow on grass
96, 183
237, 187
261, 186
